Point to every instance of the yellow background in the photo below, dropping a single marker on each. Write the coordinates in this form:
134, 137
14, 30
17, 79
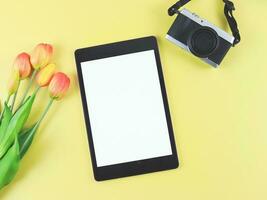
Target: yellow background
219, 115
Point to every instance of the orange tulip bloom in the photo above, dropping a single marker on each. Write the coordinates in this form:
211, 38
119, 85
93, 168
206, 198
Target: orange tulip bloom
13, 83
45, 75
58, 85
41, 55
23, 64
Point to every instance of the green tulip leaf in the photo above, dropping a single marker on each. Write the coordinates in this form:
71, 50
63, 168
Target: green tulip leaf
7, 115
9, 164
0, 107
25, 139
15, 125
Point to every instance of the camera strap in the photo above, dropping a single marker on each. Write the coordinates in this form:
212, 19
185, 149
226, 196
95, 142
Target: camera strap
228, 12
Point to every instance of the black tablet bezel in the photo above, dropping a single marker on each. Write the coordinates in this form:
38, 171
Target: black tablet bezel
134, 167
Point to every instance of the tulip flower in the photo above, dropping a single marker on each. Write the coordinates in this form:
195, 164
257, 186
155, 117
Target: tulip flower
40, 58
15, 140
23, 64
41, 55
58, 85
45, 75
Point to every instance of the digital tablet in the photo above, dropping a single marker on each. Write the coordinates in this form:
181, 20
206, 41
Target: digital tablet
126, 110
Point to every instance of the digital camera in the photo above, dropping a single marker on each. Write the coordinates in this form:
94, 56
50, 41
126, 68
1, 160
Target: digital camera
199, 36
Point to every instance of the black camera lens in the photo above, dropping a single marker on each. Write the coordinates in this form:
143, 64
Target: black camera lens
203, 42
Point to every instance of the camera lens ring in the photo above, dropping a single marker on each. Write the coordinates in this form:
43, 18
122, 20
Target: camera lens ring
203, 41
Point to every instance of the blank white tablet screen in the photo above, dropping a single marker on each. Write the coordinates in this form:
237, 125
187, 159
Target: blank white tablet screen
126, 109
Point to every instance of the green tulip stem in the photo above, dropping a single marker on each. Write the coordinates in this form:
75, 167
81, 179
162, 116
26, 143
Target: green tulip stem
1, 116
45, 111
8, 98
7, 101
38, 123
14, 98
29, 86
37, 89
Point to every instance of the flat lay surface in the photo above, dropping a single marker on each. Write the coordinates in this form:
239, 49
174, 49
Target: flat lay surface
219, 115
